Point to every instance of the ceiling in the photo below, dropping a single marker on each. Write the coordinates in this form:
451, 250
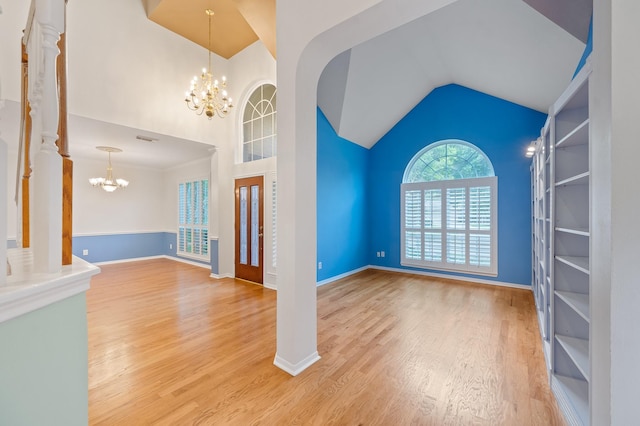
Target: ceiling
504, 48
235, 25
523, 51
85, 134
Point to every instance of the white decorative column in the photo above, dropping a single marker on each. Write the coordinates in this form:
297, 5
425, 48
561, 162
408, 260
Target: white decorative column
47, 25
3, 197
3, 205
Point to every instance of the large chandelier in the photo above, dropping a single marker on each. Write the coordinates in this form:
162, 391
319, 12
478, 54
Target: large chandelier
206, 94
109, 184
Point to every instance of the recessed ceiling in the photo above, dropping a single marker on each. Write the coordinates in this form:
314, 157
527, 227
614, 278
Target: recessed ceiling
235, 25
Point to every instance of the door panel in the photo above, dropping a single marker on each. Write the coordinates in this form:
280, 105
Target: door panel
249, 228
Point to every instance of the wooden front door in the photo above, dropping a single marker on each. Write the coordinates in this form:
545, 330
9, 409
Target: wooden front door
249, 228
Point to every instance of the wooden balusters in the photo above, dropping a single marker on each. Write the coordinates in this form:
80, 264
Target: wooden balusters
25, 152
63, 149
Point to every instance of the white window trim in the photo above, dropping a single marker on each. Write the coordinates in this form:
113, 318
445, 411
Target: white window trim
195, 256
492, 182
245, 101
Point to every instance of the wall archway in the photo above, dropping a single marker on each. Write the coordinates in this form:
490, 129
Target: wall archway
304, 49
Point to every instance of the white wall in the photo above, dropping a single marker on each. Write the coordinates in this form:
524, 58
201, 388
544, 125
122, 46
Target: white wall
247, 69
122, 67
126, 69
141, 207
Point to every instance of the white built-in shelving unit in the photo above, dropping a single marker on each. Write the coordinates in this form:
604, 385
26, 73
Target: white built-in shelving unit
561, 244
542, 236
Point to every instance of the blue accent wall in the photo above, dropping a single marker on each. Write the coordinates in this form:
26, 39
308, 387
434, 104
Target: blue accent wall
341, 202
501, 129
587, 49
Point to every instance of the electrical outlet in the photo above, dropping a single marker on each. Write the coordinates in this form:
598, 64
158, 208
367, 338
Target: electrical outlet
377, 254
319, 265
381, 254
85, 252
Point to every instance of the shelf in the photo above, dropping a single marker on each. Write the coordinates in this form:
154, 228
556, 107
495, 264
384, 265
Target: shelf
578, 136
581, 179
578, 351
574, 392
575, 231
579, 302
581, 263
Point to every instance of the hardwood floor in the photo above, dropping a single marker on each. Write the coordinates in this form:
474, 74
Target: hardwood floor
170, 346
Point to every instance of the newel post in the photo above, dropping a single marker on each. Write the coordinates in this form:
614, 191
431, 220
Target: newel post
47, 171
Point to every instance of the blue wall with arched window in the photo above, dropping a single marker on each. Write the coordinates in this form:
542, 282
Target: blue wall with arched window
359, 190
501, 129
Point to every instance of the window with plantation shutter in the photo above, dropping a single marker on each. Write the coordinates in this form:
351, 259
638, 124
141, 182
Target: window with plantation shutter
193, 219
449, 210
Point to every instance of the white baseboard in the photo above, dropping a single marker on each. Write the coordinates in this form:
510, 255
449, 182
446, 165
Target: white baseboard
220, 276
298, 367
270, 286
162, 256
339, 277
451, 277
131, 259
190, 262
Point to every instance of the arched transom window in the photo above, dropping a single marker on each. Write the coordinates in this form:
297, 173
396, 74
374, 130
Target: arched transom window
259, 124
449, 209
448, 160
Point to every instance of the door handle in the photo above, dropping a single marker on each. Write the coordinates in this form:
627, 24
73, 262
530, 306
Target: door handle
260, 235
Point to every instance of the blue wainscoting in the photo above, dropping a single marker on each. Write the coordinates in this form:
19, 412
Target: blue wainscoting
111, 247
114, 247
213, 249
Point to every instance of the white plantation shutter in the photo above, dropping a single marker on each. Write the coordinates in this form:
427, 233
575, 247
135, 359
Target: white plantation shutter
193, 218
466, 241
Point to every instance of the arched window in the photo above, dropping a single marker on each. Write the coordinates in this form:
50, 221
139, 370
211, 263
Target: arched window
449, 209
448, 160
259, 124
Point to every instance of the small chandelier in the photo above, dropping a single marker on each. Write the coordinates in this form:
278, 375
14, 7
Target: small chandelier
109, 184
206, 94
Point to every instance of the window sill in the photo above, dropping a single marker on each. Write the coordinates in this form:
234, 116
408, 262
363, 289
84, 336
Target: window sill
192, 256
485, 273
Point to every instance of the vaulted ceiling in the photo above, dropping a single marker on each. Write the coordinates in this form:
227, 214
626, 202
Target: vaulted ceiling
524, 51
504, 48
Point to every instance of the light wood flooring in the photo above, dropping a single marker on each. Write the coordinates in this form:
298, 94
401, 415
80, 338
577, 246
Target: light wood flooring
170, 346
